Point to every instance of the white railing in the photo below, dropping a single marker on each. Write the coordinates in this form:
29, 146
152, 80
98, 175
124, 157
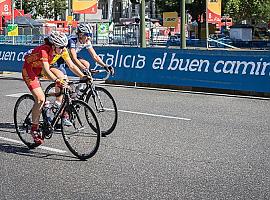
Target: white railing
220, 44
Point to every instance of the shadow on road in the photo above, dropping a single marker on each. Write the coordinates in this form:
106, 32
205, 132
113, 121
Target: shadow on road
24, 151
7, 127
11, 126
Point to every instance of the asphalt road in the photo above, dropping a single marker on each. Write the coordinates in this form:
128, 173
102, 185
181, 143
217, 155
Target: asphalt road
167, 145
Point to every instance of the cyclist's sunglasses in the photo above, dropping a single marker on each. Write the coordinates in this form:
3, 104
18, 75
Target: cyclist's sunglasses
88, 34
60, 47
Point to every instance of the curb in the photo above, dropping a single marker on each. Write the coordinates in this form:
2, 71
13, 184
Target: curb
6, 73
190, 89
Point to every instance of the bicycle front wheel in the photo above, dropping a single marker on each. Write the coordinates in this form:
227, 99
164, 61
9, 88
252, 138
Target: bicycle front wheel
105, 108
23, 119
83, 136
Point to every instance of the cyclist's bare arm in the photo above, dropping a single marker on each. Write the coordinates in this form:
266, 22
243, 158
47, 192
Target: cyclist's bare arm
74, 68
96, 58
48, 72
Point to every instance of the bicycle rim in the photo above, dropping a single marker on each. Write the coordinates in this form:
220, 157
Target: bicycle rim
83, 137
105, 109
23, 119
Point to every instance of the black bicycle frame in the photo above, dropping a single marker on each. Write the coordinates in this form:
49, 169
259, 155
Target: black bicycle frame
91, 88
59, 111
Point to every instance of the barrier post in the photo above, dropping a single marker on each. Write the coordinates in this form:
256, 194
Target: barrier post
183, 24
142, 23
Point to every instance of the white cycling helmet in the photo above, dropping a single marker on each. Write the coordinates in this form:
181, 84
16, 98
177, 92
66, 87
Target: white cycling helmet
85, 29
58, 38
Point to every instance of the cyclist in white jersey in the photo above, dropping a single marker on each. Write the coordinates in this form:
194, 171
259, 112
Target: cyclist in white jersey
79, 42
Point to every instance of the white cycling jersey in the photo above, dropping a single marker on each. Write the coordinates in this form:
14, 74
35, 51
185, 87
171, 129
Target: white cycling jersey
73, 42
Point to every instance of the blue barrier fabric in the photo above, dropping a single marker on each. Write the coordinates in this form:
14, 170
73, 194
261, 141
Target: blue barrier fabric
234, 70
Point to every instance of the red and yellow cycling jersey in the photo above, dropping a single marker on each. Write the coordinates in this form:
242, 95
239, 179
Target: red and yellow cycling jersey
64, 55
33, 64
43, 53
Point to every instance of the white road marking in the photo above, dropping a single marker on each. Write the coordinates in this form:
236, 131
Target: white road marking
52, 149
125, 111
154, 115
40, 147
15, 95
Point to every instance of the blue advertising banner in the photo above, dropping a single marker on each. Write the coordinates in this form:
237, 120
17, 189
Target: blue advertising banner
234, 70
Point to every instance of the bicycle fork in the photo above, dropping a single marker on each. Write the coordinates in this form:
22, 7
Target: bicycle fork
74, 113
98, 104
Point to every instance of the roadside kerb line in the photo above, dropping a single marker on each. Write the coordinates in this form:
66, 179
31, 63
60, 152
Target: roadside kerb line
40, 147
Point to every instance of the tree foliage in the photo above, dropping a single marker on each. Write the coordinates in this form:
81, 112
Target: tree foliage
168, 6
49, 9
255, 11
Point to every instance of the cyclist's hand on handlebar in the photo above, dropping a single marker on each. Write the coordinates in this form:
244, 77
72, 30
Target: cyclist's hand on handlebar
87, 78
86, 72
109, 69
61, 83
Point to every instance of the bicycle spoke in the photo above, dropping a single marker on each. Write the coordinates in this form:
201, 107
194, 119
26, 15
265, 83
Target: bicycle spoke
23, 119
102, 102
83, 137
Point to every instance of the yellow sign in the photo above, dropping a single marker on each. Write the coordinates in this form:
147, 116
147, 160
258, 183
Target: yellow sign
214, 11
170, 19
69, 19
84, 6
13, 30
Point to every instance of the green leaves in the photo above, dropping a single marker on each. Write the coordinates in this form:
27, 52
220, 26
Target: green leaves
49, 9
168, 6
254, 11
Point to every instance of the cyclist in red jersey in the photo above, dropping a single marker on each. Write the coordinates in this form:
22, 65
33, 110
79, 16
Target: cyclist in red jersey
37, 63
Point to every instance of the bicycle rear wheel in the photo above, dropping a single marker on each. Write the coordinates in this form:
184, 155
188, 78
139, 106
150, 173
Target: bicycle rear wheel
23, 119
105, 109
83, 137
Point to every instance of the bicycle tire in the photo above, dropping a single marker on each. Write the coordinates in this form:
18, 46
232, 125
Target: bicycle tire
23, 120
86, 143
109, 115
49, 89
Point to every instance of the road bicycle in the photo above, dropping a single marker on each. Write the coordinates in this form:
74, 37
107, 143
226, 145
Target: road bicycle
82, 138
100, 100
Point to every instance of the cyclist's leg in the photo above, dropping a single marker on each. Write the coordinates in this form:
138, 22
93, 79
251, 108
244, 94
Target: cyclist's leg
81, 86
85, 63
61, 74
60, 71
39, 102
31, 79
